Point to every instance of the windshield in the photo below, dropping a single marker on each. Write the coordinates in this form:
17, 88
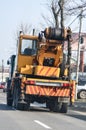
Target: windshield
28, 47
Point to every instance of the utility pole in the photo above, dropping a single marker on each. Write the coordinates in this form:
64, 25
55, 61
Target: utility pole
78, 51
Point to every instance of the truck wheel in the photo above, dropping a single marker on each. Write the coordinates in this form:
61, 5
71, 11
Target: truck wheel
50, 107
23, 106
15, 97
50, 104
64, 108
17, 103
57, 106
9, 98
54, 106
9, 102
20, 106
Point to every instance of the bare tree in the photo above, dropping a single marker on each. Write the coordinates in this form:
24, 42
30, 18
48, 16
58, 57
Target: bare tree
61, 5
25, 28
76, 6
62, 8
54, 11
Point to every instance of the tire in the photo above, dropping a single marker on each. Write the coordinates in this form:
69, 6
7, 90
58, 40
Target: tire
54, 106
51, 104
9, 102
9, 94
9, 98
24, 106
64, 108
20, 103
57, 107
82, 94
16, 92
15, 97
17, 103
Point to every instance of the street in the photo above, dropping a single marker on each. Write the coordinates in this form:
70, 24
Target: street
43, 65
40, 118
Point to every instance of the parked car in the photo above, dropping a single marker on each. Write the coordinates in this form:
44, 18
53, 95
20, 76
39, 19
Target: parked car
81, 91
2, 85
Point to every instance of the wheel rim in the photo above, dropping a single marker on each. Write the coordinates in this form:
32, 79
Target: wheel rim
83, 94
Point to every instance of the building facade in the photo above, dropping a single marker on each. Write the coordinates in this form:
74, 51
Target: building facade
4, 73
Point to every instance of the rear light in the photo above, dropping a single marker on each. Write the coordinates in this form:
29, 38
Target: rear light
31, 82
66, 85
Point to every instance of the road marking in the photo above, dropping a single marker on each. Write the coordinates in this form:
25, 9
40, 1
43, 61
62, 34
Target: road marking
42, 124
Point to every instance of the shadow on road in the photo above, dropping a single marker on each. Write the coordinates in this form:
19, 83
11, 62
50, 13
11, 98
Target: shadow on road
5, 107
32, 108
78, 116
78, 113
39, 109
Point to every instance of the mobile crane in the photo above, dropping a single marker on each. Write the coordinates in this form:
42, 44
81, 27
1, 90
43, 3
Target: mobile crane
41, 71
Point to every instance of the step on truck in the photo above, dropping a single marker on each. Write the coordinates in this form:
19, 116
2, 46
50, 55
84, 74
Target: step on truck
40, 71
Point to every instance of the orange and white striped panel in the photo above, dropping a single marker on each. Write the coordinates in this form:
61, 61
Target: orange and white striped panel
47, 91
47, 71
73, 91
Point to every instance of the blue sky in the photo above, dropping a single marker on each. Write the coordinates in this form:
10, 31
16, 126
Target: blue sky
12, 14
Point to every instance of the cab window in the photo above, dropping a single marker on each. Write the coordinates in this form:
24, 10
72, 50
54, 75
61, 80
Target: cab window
28, 47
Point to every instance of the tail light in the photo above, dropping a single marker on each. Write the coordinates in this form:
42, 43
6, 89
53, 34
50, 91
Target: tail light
30, 82
66, 85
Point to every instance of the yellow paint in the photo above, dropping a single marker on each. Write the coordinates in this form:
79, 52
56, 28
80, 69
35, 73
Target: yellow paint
27, 70
66, 72
47, 71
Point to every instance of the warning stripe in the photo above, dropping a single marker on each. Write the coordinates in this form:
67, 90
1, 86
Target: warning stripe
42, 92
54, 71
47, 71
65, 92
41, 70
34, 89
47, 91
58, 92
61, 92
29, 91
73, 92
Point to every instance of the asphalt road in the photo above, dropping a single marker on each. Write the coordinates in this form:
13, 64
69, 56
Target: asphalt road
39, 118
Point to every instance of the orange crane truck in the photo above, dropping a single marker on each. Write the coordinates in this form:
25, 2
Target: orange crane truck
40, 72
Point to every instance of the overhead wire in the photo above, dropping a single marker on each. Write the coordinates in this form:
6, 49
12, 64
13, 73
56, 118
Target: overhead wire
73, 20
